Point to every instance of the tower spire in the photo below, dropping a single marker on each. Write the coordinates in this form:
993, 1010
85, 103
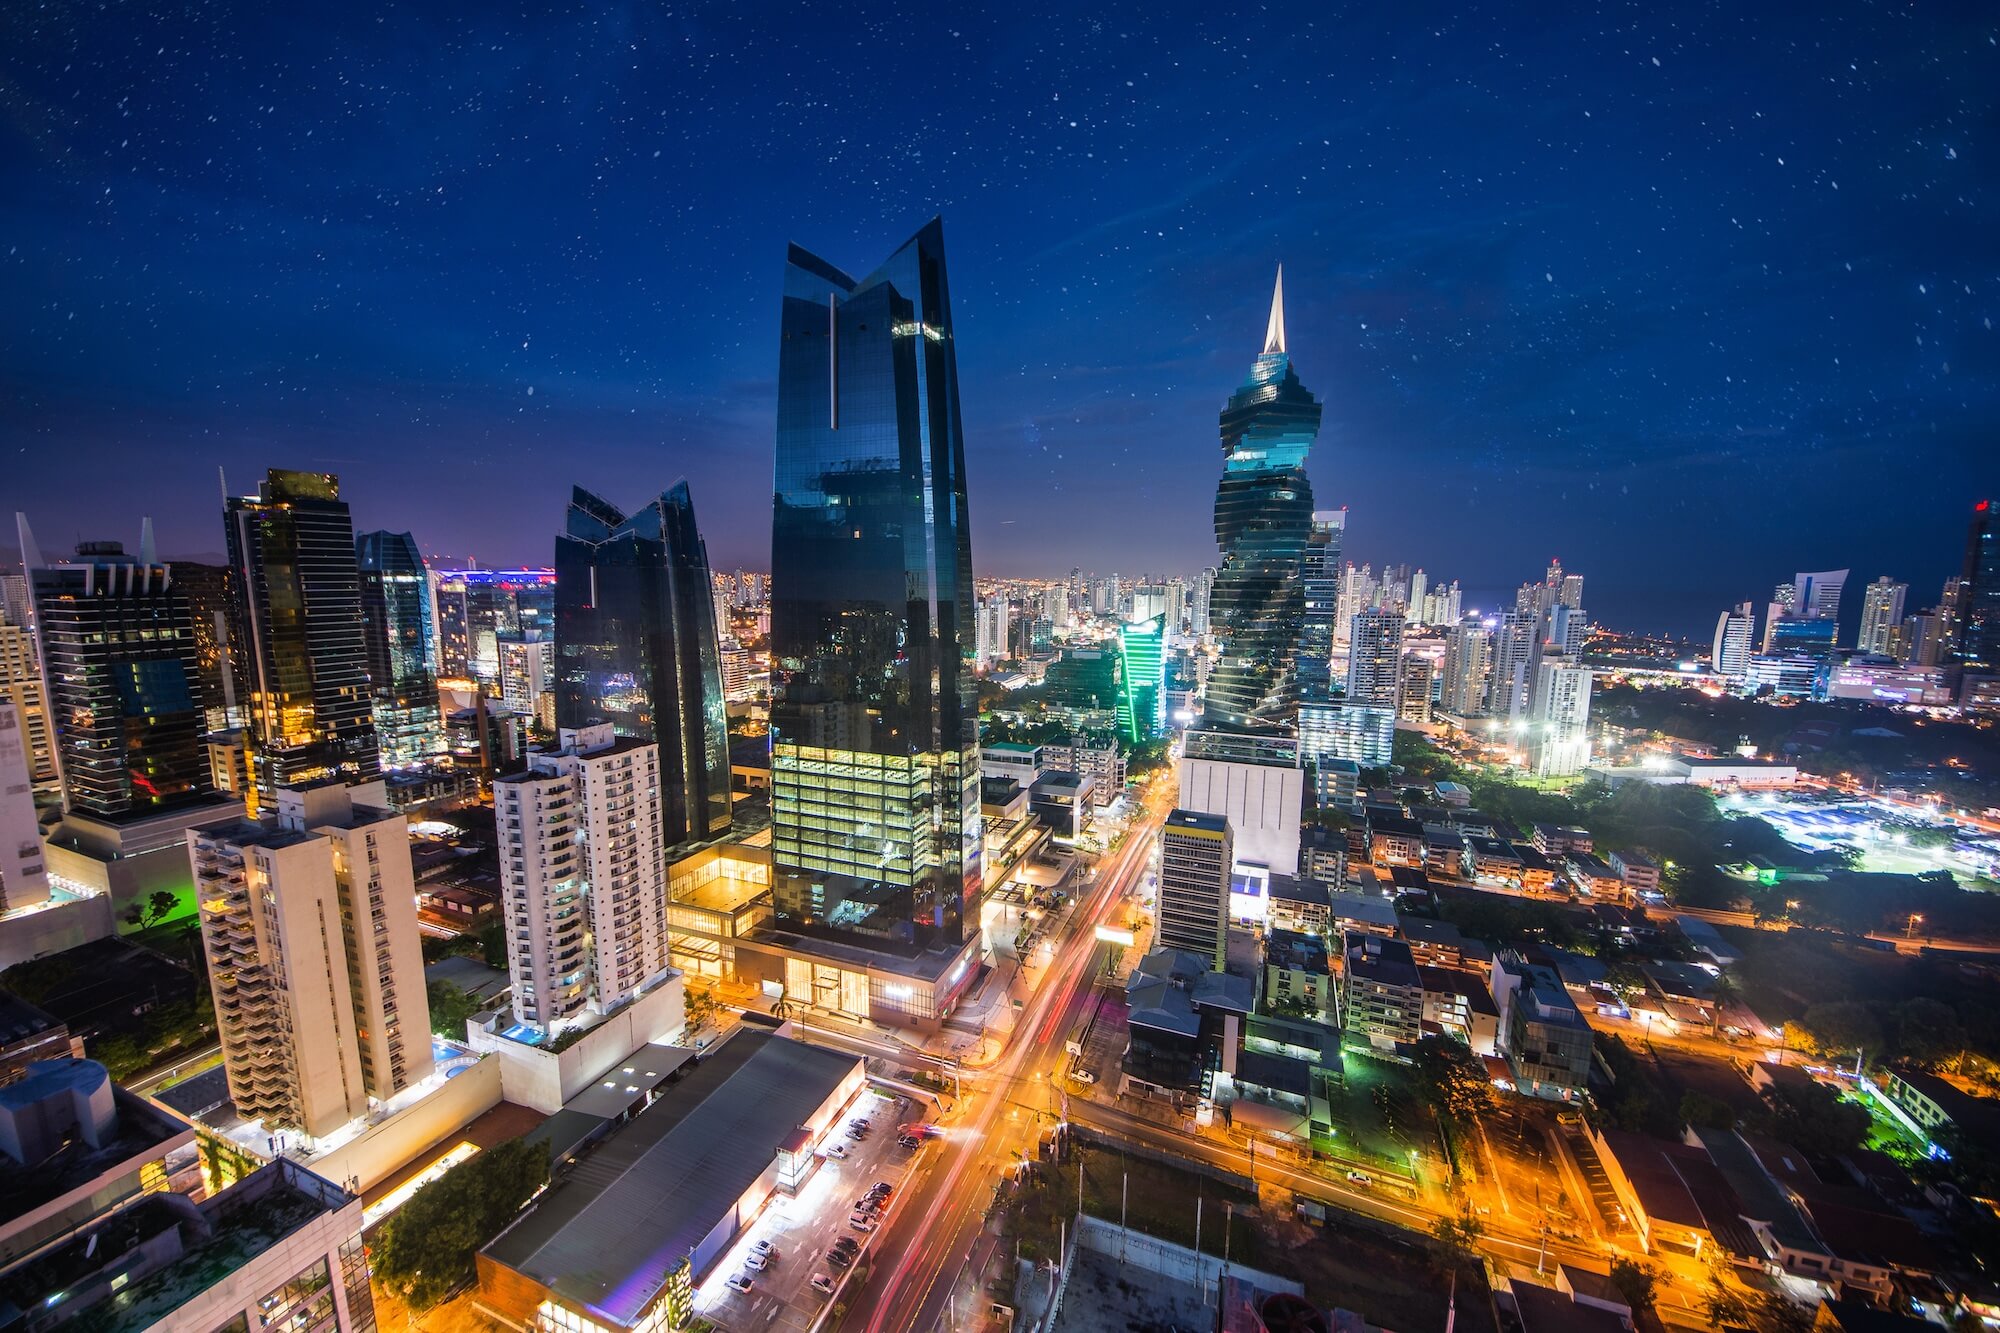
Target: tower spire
1274, 332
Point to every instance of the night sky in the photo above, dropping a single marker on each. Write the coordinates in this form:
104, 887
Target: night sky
1691, 296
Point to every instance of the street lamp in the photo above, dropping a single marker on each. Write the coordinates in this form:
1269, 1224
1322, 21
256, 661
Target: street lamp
1916, 919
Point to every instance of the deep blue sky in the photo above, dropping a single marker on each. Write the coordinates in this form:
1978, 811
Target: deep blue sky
1692, 296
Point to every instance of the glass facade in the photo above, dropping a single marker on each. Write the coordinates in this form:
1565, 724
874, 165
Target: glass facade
1263, 520
1321, 588
636, 647
875, 750
298, 624
124, 683
1142, 690
1977, 609
402, 644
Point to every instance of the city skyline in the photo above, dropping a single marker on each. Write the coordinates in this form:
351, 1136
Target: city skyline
1612, 306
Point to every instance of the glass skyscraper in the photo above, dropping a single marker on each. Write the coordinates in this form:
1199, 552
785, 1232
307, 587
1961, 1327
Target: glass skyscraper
1263, 519
402, 644
874, 728
1976, 610
124, 691
298, 631
1142, 688
636, 647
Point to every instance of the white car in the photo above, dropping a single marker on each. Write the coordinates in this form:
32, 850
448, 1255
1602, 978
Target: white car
756, 1263
835, 1150
1083, 1076
822, 1284
738, 1282
763, 1247
1357, 1178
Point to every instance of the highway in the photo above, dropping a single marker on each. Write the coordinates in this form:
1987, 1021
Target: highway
918, 1262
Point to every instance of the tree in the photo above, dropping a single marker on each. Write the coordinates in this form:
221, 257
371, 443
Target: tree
1455, 1239
1636, 1281
1812, 1118
1707, 1112
1928, 1032
701, 1007
157, 907
1841, 1027
450, 1008
426, 1250
1451, 1080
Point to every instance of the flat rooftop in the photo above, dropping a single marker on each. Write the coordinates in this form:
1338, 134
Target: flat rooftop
608, 1234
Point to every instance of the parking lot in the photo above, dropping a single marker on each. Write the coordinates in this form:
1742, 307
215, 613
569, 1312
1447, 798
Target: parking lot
802, 1229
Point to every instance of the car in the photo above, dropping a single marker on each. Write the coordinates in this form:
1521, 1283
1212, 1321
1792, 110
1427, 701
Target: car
756, 1263
835, 1150
883, 1188
1083, 1076
856, 1133
909, 1141
867, 1203
822, 1284
1358, 1178
862, 1123
763, 1247
738, 1282
840, 1258
846, 1245
861, 1222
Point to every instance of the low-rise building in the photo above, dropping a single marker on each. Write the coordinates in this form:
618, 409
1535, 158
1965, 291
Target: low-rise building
1942, 1109
1299, 903
1458, 1004
1395, 840
1363, 914
1184, 1022
1638, 869
1544, 1037
1556, 839
1382, 995
1011, 759
1491, 859
1588, 874
1297, 980
1063, 801
620, 1243
1322, 853
1538, 872
281, 1249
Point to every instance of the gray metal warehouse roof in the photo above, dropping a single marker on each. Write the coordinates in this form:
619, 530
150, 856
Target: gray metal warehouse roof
625, 1215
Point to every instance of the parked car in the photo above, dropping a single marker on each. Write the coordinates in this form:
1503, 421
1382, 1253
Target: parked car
861, 1222
1083, 1076
1358, 1178
840, 1258
738, 1282
756, 1263
909, 1141
822, 1284
835, 1150
883, 1188
763, 1247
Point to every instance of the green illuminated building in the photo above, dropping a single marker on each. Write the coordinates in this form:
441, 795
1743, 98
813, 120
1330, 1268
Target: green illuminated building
1142, 689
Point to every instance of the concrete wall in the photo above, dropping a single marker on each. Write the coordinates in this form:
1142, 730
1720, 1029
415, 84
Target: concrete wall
53, 929
386, 1148
129, 879
1169, 1260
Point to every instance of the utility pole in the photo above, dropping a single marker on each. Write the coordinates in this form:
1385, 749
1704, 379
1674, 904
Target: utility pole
1124, 1189
1197, 1249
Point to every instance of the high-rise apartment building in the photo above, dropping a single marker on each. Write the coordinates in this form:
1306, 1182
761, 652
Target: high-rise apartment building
298, 622
1196, 858
24, 876
636, 647
21, 689
401, 643
1467, 657
1816, 596
1784, 602
207, 590
1321, 583
1881, 612
1559, 730
583, 875
1735, 633
1142, 681
991, 631
1263, 519
876, 831
309, 921
1375, 659
1414, 698
118, 656
1510, 675
528, 676
1975, 610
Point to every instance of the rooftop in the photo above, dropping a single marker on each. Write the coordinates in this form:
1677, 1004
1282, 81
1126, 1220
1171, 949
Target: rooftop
607, 1235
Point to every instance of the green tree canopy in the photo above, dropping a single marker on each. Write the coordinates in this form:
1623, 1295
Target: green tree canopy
426, 1250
